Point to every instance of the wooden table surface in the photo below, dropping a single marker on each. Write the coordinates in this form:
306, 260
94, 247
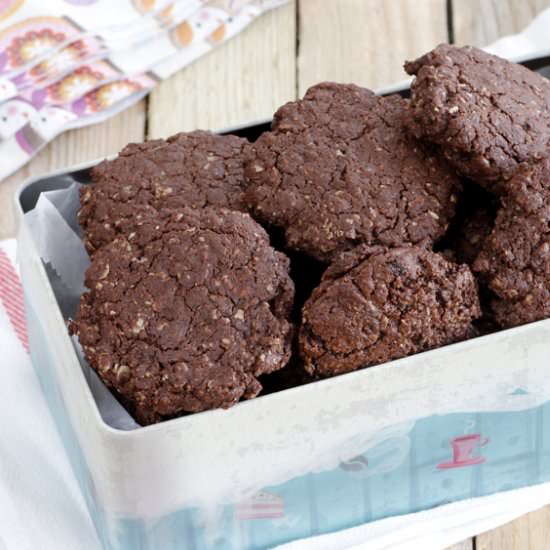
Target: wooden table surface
274, 61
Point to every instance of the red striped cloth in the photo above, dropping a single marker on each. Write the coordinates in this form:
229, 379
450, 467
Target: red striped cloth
11, 298
41, 506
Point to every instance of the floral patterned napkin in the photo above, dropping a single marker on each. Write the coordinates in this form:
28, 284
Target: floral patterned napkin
62, 66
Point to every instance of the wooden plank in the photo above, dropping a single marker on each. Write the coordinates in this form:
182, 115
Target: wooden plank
365, 41
71, 148
530, 532
241, 81
480, 22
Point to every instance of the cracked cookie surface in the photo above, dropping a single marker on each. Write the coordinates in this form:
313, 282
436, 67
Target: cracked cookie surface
375, 305
194, 169
515, 258
487, 114
338, 169
185, 312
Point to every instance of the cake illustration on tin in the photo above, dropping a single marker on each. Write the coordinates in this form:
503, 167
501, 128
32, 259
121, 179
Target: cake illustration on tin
261, 505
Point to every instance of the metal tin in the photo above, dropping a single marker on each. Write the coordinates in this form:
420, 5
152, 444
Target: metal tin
456, 422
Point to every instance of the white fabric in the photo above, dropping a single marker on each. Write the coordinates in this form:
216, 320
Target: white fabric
41, 506
534, 38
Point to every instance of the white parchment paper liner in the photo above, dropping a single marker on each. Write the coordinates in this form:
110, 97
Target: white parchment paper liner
58, 239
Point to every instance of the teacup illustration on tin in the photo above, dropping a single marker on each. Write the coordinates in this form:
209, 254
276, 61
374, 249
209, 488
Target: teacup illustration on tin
465, 451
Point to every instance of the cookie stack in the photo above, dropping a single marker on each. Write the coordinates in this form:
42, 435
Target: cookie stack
188, 301
357, 202
339, 170
491, 120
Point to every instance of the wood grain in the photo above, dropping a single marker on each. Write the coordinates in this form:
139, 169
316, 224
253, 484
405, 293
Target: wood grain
530, 532
72, 148
365, 41
241, 81
480, 22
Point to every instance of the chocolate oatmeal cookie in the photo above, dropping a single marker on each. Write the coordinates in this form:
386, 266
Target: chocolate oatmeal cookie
515, 258
487, 114
184, 318
338, 169
189, 169
375, 305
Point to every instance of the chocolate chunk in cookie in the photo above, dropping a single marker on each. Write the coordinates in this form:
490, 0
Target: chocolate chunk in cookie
515, 258
189, 169
376, 305
338, 169
184, 318
487, 114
